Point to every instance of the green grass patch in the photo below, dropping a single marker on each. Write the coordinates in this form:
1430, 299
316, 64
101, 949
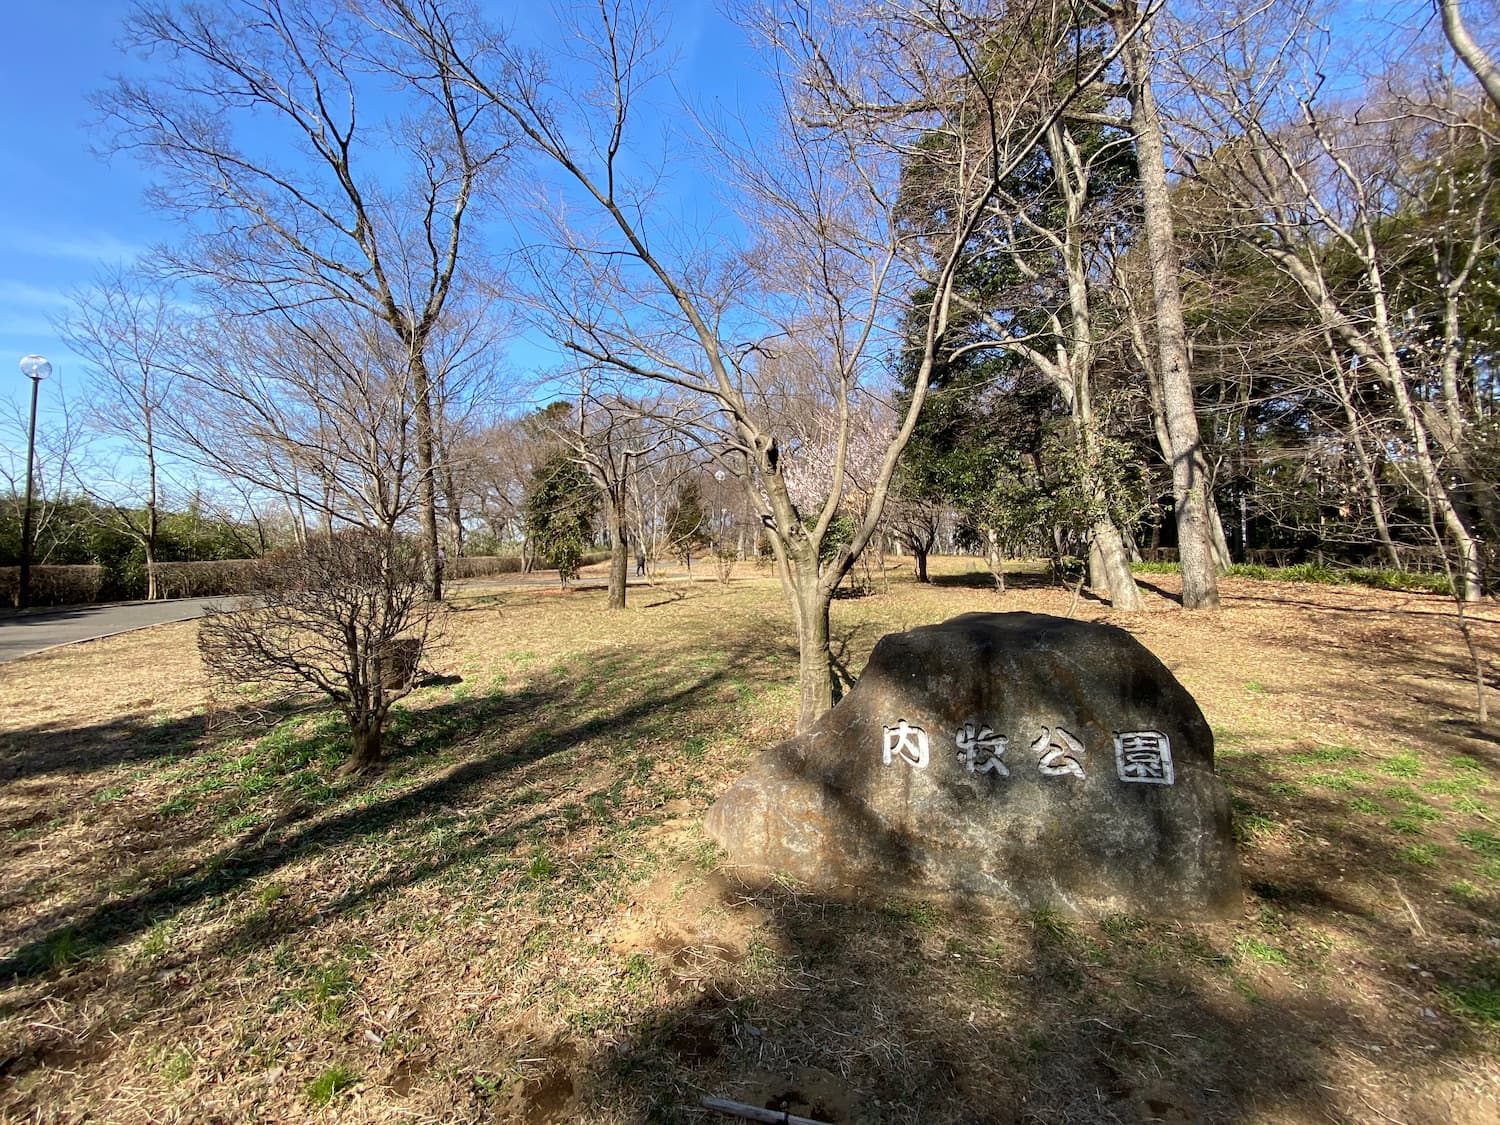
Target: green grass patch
1404, 765
1421, 855
1466, 891
1407, 826
1253, 949
1345, 781
178, 1066
1482, 840
330, 1084
328, 991
1323, 755
1479, 999
1453, 787
1366, 806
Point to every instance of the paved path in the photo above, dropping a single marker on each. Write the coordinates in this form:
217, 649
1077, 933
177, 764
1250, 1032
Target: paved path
24, 633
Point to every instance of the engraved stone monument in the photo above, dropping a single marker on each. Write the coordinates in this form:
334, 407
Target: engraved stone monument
1012, 757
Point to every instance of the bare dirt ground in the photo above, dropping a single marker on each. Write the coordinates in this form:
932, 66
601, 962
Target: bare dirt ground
521, 920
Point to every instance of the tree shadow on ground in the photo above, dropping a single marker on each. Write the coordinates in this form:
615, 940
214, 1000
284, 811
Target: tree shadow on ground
1173, 596
306, 828
945, 1012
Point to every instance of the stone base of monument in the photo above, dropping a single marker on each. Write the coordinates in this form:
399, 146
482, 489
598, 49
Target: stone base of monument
1013, 758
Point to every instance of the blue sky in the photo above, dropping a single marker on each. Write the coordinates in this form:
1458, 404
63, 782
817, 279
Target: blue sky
65, 211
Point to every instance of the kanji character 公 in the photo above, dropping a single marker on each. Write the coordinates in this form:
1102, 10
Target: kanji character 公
1059, 753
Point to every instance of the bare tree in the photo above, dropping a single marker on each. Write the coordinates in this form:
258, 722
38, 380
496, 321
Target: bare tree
127, 332
1322, 182
1475, 57
613, 438
342, 617
314, 409
312, 218
1191, 494
860, 84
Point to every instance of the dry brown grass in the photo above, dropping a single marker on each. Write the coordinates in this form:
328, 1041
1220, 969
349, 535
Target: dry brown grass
520, 919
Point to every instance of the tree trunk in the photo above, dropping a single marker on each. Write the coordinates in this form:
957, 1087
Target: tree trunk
455, 511
994, 558
153, 513
1200, 587
1472, 54
421, 384
619, 553
815, 657
1223, 560
153, 583
920, 555
1098, 579
1114, 561
366, 751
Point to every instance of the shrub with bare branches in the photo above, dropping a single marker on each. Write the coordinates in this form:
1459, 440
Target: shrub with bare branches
345, 617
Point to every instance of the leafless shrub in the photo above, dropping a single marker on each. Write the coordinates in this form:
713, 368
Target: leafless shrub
345, 617
724, 560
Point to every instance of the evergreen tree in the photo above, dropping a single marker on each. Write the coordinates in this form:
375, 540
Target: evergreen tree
560, 509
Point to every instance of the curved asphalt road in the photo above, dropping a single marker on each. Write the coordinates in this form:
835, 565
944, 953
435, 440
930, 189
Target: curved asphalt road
24, 633
21, 634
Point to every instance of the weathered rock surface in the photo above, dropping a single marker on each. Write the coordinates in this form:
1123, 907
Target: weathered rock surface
1016, 757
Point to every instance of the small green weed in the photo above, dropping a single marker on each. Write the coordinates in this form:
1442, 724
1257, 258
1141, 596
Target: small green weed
1483, 841
155, 942
1463, 889
541, 868
178, 1065
1253, 949
638, 972
1479, 1000
1421, 855
1285, 789
1323, 755
1366, 806
330, 1084
329, 991
1121, 927
1255, 686
1453, 787
1339, 782
1405, 765
182, 803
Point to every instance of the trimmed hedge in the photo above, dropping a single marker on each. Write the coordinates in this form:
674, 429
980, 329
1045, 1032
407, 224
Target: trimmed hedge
486, 566
53, 585
206, 579
483, 566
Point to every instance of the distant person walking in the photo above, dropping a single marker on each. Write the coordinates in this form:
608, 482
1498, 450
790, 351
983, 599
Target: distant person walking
640, 563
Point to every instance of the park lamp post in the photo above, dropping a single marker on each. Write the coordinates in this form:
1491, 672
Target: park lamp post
35, 368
